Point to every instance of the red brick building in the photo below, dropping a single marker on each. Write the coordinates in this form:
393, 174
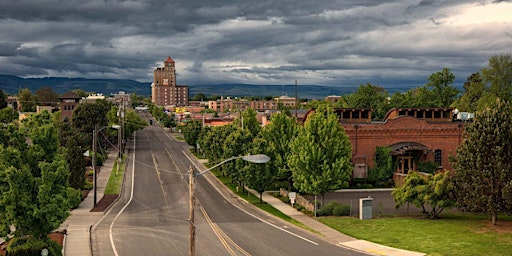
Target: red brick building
414, 135
68, 102
164, 90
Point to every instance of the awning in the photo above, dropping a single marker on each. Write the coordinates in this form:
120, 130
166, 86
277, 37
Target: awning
401, 147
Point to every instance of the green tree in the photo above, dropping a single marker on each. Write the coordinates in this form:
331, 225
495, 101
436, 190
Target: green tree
87, 115
27, 100
320, 155
443, 93
498, 75
483, 165
259, 176
3, 99
279, 135
370, 96
8, 115
47, 97
191, 131
433, 191
474, 90
249, 121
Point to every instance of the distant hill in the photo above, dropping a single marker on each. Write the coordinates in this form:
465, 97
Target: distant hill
12, 84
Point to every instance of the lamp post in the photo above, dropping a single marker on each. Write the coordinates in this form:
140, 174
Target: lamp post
94, 138
258, 159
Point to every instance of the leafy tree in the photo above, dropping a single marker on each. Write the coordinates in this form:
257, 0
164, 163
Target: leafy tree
80, 93
27, 100
191, 131
498, 75
199, 97
370, 96
236, 143
433, 191
87, 115
474, 90
248, 120
279, 135
8, 115
47, 97
320, 155
443, 93
259, 176
3, 99
483, 165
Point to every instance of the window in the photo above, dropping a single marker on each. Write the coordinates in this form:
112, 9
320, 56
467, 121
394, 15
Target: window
437, 156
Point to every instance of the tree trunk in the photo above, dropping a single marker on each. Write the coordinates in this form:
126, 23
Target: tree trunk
494, 217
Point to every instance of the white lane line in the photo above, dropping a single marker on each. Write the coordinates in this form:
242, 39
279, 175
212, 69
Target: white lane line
129, 201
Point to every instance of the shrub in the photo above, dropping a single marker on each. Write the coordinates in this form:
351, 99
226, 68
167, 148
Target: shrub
341, 210
29, 247
334, 209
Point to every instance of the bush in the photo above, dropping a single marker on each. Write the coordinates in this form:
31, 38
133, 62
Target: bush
341, 210
334, 209
29, 247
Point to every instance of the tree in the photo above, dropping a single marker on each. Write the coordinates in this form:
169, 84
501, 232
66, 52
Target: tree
27, 100
87, 115
259, 176
383, 167
7, 115
279, 135
443, 93
498, 75
47, 97
191, 131
433, 191
483, 165
370, 96
3, 99
474, 90
320, 155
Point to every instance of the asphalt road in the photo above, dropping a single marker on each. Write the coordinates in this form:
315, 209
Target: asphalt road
151, 216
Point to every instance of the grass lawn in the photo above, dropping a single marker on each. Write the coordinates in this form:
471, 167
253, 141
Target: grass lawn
115, 180
453, 234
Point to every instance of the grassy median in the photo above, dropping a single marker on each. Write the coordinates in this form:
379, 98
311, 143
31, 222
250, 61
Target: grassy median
115, 180
452, 234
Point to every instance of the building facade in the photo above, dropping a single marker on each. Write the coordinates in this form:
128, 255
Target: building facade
415, 136
164, 90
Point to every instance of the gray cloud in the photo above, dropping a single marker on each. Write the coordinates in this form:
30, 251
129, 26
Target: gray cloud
316, 42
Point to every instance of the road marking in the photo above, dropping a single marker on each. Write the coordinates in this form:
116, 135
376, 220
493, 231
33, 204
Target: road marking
250, 214
158, 175
129, 201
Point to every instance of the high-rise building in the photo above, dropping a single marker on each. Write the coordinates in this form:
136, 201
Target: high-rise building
164, 91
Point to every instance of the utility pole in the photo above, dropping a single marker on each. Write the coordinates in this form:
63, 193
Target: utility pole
119, 138
95, 175
192, 247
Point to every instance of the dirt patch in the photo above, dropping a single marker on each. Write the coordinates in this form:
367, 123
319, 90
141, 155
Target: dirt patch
503, 227
104, 203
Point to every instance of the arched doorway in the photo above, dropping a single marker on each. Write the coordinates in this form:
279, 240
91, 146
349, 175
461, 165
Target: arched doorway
407, 155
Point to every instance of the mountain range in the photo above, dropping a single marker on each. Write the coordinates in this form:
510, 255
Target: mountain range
12, 84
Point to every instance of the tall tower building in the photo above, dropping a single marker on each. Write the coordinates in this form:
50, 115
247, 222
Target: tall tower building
164, 91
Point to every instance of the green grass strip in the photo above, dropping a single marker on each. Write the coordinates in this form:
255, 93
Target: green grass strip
115, 180
452, 234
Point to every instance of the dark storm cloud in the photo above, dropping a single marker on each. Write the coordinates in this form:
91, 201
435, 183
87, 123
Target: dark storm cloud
335, 42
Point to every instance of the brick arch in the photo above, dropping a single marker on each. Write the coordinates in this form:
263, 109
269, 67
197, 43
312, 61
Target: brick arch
401, 147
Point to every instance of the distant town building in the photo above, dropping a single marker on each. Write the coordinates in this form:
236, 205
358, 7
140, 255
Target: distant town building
332, 98
68, 102
164, 90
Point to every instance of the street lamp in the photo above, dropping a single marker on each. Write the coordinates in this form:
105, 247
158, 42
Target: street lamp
258, 159
94, 138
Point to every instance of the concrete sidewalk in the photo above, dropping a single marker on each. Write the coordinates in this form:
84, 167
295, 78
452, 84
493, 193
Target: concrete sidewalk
77, 241
332, 235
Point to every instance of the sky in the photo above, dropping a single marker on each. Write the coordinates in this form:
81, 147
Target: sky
331, 43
